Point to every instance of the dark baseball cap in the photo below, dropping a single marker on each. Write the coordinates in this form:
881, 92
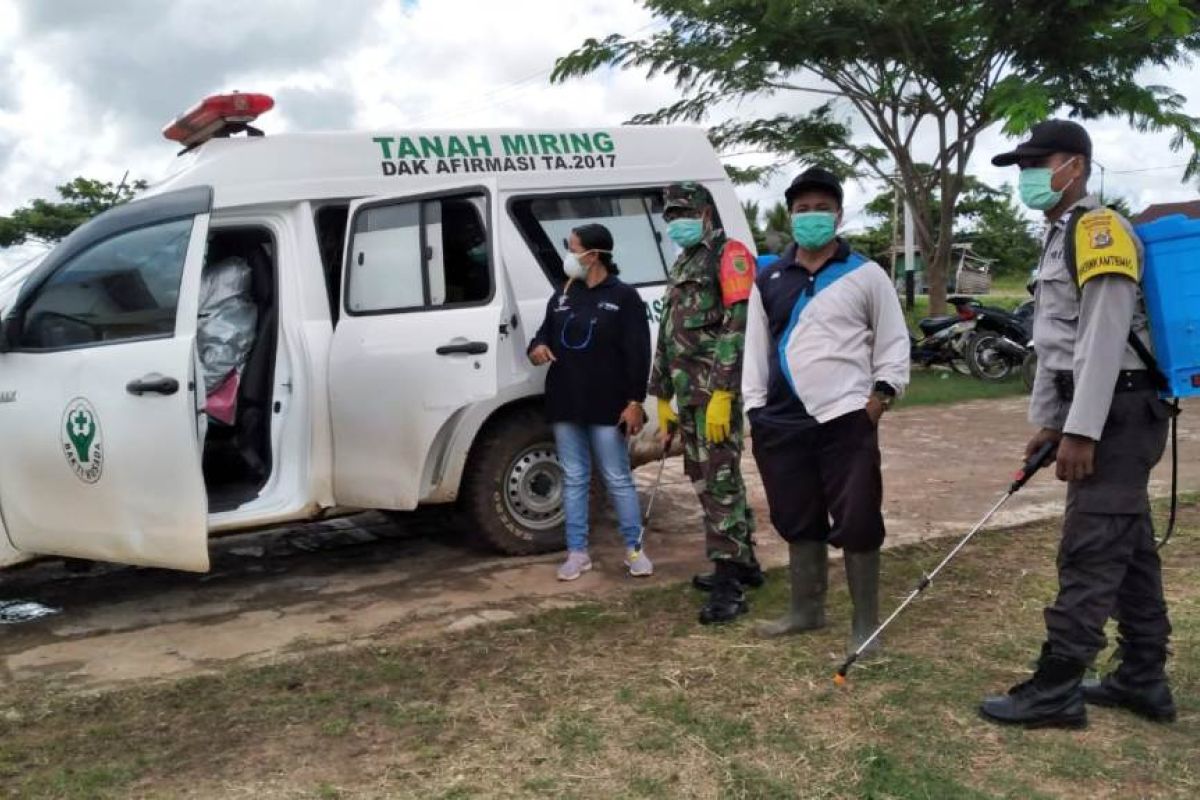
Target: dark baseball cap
1047, 138
815, 178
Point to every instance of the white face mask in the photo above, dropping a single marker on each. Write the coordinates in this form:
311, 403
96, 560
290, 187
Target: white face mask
573, 267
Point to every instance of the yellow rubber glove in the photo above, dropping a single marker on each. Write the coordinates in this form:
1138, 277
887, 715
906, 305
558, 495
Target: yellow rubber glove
716, 418
667, 418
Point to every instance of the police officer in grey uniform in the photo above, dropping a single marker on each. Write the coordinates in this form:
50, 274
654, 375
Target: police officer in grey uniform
1095, 397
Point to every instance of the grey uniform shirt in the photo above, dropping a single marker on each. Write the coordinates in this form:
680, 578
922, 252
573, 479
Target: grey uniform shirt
1084, 334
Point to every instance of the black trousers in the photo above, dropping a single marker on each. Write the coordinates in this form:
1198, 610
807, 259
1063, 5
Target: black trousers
1107, 564
828, 470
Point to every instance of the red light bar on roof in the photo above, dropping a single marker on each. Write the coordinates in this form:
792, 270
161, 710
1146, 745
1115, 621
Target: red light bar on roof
217, 115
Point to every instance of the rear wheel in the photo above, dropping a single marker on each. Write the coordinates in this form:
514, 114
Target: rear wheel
513, 488
985, 358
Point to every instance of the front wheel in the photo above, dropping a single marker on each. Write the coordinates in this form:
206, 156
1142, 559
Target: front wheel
512, 490
986, 360
1029, 370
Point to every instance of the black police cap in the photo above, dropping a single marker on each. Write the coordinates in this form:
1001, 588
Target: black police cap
1047, 138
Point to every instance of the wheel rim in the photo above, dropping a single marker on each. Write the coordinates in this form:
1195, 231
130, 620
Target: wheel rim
533, 488
991, 362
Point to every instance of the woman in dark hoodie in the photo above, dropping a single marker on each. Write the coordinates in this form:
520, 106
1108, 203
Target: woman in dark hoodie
596, 339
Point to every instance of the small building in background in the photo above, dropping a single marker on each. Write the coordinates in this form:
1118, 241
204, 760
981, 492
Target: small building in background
1190, 209
969, 274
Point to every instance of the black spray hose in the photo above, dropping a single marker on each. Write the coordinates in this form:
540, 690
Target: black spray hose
1174, 477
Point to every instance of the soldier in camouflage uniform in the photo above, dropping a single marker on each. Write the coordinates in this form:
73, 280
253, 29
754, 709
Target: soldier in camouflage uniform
698, 362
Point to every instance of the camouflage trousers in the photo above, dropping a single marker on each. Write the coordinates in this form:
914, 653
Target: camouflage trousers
716, 474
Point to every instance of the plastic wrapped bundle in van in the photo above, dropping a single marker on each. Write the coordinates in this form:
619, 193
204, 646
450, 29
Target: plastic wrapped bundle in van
228, 320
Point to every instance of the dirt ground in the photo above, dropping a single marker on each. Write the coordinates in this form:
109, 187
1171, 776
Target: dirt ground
271, 595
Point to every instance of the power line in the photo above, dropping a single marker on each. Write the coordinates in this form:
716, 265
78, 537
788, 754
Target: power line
1147, 169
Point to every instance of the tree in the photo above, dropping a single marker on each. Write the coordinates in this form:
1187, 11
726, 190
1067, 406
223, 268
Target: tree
48, 221
985, 217
751, 209
1002, 234
777, 224
899, 69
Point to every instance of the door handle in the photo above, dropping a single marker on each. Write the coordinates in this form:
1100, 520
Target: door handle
464, 348
152, 384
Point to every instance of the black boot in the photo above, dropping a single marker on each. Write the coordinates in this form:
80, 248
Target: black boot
808, 567
727, 600
1052, 698
862, 576
1138, 685
750, 577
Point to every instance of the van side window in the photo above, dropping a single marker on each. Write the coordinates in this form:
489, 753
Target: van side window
125, 287
420, 254
641, 248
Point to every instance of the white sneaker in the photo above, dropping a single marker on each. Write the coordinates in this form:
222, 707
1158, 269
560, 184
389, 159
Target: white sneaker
576, 564
639, 565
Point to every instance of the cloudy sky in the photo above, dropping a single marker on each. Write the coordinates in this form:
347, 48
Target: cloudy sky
86, 86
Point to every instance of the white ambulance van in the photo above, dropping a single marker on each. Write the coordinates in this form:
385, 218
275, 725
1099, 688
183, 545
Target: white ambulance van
397, 278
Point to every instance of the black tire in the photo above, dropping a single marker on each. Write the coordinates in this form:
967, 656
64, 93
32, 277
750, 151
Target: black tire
1029, 370
987, 363
512, 486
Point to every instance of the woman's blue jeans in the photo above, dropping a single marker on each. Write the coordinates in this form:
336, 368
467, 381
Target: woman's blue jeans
577, 444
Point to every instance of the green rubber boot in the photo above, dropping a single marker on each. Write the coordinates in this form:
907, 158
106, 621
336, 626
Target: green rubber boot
862, 576
808, 566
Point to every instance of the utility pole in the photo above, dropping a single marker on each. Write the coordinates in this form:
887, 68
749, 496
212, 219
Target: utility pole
910, 257
895, 226
910, 266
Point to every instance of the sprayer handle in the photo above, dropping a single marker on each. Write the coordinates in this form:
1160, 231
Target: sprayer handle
1042, 457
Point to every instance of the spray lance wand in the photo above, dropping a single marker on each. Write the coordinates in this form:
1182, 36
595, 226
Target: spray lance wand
1039, 459
662, 463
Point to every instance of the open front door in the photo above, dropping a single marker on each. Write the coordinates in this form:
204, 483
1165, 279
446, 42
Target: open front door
417, 337
100, 458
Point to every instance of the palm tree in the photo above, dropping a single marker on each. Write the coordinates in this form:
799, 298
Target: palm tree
752, 211
778, 231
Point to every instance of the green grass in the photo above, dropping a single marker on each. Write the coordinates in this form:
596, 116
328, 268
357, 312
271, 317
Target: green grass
940, 386
932, 386
629, 698
1011, 285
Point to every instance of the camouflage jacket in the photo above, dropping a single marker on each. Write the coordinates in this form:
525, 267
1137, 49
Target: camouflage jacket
702, 334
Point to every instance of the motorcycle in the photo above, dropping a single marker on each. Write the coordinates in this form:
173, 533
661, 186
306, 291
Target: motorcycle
1002, 341
944, 338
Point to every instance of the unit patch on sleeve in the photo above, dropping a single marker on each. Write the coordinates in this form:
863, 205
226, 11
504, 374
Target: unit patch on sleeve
737, 273
1103, 246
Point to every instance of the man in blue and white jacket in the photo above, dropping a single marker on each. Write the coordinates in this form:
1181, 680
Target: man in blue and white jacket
827, 352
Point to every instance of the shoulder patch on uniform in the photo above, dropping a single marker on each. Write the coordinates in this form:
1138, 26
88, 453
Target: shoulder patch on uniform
736, 273
1103, 246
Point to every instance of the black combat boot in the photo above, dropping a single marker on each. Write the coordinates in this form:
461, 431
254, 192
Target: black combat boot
1138, 685
750, 577
727, 600
862, 576
808, 566
1052, 698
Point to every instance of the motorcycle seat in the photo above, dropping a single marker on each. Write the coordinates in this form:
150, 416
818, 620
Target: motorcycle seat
931, 325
